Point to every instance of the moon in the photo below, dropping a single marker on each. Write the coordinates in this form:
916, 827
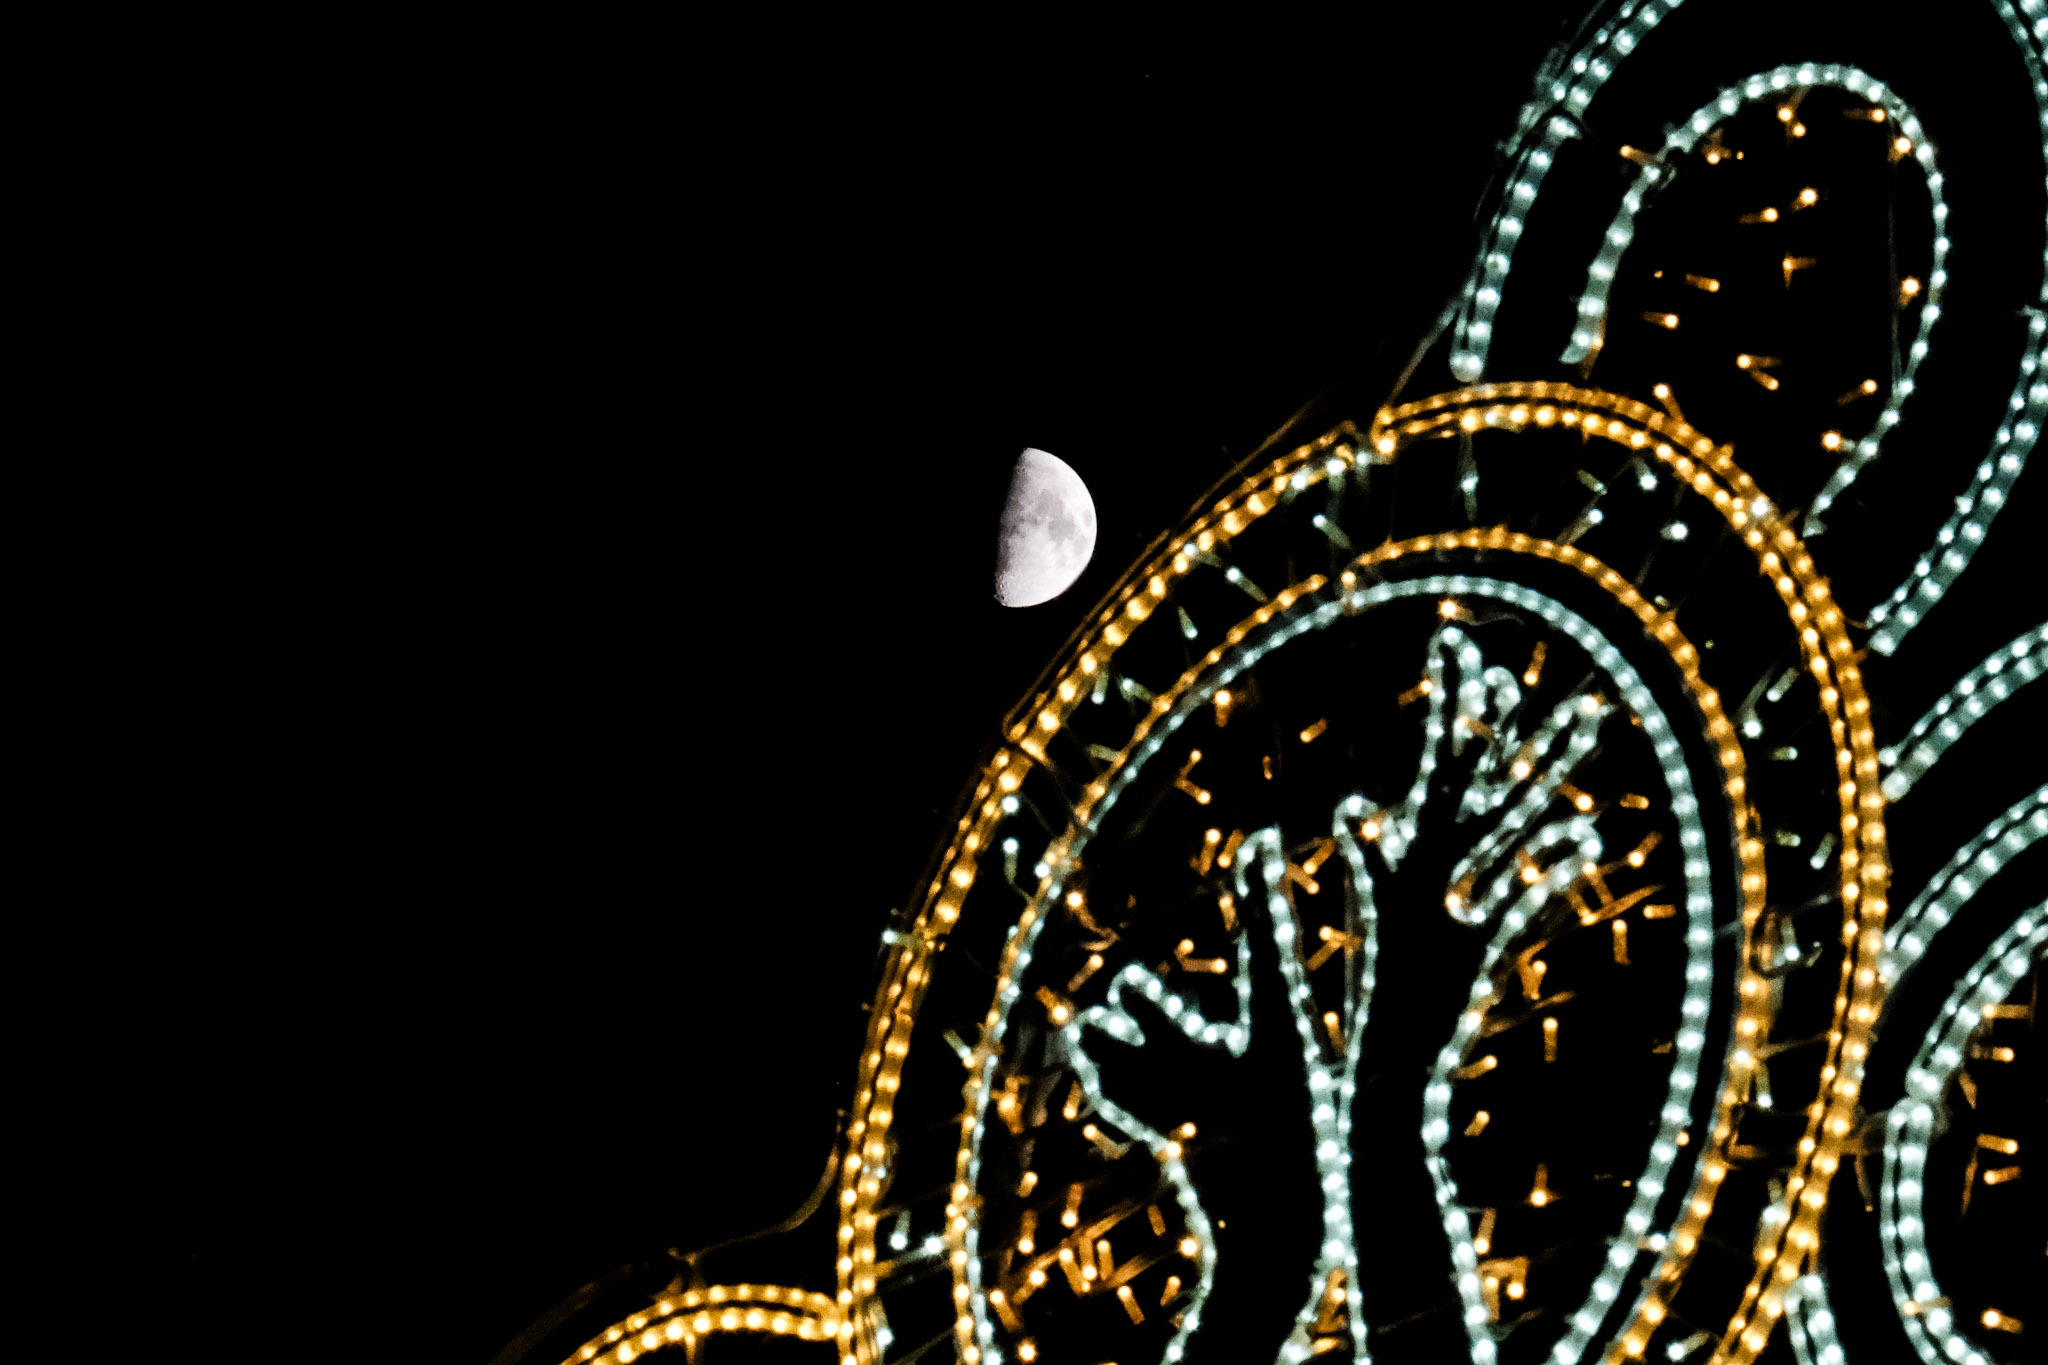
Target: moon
1047, 534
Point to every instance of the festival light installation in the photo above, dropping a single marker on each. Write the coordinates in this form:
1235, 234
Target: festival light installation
1517, 743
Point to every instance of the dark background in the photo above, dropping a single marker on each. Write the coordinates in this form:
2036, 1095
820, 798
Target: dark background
664, 634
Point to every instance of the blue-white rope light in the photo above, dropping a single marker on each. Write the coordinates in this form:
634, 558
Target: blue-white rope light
1567, 102
1811, 1320
1332, 1121
1916, 1292
1950, 889
1957, 541
1621, 232
2008, 669
1808, 1313
1330, 1090
1576, 723
1112, 1018
2026, 410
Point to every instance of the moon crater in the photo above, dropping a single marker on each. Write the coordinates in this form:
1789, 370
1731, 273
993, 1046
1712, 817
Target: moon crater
1047, 534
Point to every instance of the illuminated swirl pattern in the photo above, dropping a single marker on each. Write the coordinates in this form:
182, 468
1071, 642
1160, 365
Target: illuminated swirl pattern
1057, 779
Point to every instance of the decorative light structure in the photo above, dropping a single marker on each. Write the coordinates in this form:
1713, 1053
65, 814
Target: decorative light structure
1172, 854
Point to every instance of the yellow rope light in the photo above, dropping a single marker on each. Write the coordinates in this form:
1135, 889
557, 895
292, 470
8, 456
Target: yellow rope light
1787, 1243
681, 1319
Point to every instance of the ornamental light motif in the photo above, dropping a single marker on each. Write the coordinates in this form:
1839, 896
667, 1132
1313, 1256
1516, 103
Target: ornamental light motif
1475, 826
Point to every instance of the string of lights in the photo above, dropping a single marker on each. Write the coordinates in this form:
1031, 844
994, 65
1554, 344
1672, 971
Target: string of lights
1685, 138
1790, 1239
1811, 1318
1117, 1021
1559, 116
1950, 889
1956, 543
1909, 1131
1568, 104
1491, 410
1579, 724
1533, 843
2006, 671
684, 1319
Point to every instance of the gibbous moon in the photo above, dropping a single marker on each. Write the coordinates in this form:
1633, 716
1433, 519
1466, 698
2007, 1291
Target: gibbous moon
1047, 533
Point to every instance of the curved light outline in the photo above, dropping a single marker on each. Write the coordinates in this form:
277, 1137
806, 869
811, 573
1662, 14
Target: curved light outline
1489, 272
1806, 75
1921, 750
1332, 1161
1808, 1309
1649, 1183
1810, 1318
1956, 543
1948, 891
1330, 1122
1711, 471
1909, 1130
686, 1318
1112, 1018
1496, 253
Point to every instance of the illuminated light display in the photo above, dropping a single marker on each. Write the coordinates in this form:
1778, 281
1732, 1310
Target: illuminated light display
1573, 82
681, 1320
1685, 139
1957, 541
1566, 735
1084, 1219
1970, 700
1909, 1130
1706, 470
1951, 888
